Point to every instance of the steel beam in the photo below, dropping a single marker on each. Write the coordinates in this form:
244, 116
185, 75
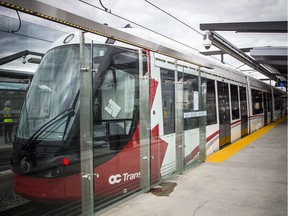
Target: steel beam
12, 57
232, 50
48, 12
220, 52
261, 27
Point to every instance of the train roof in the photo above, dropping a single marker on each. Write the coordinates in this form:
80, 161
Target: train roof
174, 49
163, 41
206, 64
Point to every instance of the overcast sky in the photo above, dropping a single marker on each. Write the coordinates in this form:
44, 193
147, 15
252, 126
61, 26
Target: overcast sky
192, 12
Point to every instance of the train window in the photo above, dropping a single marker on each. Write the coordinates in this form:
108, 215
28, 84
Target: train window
125, 60
114, 104
191, 102
279, 102
168, 100
243, 102
98, 55
269, 101
234, 102
211, 117
115, 101
257, 102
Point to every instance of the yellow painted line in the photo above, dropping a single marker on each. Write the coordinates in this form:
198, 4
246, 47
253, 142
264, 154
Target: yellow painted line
225, 153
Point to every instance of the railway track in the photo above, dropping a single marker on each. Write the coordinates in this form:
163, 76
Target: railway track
5, 155
18, 207
37, 209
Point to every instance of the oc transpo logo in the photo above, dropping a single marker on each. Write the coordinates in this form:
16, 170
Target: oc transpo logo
117, 178
113, 179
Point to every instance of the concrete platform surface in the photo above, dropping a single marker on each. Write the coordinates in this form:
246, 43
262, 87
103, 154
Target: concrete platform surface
253, 182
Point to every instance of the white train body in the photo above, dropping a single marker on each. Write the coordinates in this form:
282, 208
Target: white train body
152, 115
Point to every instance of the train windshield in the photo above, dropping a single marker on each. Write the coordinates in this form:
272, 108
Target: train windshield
53, 95
53, 91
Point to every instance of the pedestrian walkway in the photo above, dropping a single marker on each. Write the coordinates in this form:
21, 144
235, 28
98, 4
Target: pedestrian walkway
249, 182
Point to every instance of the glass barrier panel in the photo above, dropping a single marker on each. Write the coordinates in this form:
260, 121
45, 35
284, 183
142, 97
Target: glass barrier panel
117, 73
40, 161
191, 118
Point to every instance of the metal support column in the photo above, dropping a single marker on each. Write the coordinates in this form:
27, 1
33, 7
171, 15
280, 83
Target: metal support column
144, 104
179, 129
86, 132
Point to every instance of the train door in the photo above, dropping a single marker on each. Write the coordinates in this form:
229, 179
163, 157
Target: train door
270, 110
224, 114
244, 113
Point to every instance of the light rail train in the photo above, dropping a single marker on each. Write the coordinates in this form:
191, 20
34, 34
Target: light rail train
193, 111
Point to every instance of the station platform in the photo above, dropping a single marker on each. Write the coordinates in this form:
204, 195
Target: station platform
247, 178
5, 146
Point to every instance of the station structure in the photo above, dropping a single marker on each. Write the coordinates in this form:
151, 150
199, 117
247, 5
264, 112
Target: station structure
248, 177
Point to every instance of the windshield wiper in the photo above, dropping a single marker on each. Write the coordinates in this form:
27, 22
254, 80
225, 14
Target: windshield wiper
48, 124
69, 117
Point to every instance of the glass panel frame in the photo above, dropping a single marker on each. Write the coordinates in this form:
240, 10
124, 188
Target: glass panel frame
195, 153
86, 130
179, 122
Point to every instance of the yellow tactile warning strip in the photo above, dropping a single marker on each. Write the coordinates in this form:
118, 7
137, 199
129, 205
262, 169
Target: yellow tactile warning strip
225, 153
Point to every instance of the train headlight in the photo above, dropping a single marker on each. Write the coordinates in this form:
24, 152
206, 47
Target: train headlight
25, 165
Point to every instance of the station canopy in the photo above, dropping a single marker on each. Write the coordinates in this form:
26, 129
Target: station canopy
273, 58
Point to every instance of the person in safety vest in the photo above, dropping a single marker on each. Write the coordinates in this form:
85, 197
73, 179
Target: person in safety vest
8, 122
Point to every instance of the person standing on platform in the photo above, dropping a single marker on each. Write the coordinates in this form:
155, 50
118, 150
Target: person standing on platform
8, 122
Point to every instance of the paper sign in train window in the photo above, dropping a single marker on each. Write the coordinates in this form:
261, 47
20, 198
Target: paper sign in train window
112, 108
